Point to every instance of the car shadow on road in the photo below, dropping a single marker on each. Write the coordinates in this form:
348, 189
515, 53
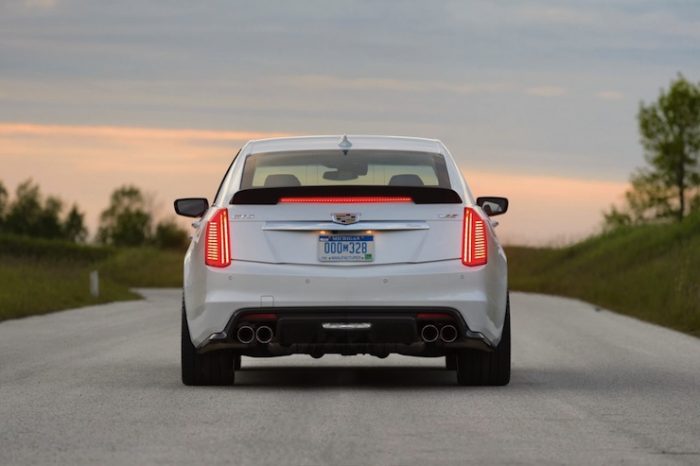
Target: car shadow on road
158, 375
346, 376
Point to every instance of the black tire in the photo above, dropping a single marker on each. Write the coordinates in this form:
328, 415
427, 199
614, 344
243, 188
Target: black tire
214, 368
487, 368
236, 362
451, 362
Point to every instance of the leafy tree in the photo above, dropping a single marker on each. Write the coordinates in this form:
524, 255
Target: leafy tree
616, 218
127, 220
669, 187
3, 203
74, 226
670, 135
49, 224
29, 215
169, 235
24, 212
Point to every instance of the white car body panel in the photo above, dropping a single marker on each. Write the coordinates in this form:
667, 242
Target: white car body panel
275, 262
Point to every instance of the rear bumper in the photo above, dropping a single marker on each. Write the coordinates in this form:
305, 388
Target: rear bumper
216, 297
346, 330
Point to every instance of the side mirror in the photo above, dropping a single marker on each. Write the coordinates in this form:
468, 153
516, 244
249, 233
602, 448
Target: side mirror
191, 206
493, 205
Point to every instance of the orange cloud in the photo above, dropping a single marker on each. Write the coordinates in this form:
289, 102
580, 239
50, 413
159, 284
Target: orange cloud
547, 209
84, 164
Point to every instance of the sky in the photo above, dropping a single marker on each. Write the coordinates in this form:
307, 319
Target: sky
537, 100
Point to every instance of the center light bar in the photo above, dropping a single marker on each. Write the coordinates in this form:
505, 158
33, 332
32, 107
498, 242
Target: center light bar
345, 200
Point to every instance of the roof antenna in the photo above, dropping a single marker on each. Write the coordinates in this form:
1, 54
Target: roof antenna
344, 144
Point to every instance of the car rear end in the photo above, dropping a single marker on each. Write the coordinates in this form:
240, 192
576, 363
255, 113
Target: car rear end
345, 245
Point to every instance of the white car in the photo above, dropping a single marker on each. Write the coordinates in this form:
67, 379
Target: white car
347, 245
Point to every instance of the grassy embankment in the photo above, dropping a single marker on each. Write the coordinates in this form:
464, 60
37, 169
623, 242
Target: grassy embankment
40, 276
651, 272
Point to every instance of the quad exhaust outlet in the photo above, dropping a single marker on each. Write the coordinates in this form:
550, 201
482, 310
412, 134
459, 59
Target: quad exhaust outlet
245, 334
448, 333
429, 333
264, 334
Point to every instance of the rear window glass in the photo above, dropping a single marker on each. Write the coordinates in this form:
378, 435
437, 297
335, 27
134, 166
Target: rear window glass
334, 167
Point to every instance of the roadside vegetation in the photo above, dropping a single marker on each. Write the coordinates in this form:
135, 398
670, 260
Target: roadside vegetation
39, 276
651, 272
45, 260
646, 263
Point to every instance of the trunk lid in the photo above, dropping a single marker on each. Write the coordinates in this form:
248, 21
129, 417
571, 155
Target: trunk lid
291, 233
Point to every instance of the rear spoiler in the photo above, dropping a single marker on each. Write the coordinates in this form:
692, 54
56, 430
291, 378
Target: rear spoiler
416, 194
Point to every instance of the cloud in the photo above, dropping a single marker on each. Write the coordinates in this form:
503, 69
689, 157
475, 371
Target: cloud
576, 202
84, 164
559, 15
328, 82
42, 4
123, 132
546, 91
610, 95
394, 85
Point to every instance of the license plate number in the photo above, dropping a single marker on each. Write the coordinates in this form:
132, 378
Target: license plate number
346, 248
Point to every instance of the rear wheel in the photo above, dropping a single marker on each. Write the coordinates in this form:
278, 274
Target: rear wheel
451, 362
487, 368
214, 368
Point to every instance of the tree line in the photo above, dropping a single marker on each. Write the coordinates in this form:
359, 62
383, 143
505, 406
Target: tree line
668, 187
127, 221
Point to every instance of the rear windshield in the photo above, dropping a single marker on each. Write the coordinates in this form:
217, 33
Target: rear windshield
334, 167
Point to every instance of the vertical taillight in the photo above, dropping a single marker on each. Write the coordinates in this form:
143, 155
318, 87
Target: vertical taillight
474, 242
218, 249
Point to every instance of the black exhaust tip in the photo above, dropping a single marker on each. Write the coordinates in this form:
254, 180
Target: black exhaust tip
264, 334
448, 333
429, 333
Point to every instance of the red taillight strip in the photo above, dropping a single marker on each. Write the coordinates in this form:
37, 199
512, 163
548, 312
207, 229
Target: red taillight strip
345, 200
433, 316
474, 242
218, 240
260, 316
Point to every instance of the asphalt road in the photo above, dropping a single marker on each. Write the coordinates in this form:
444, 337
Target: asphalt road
101, 385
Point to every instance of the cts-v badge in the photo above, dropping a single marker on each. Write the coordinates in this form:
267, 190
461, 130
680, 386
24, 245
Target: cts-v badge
345, 218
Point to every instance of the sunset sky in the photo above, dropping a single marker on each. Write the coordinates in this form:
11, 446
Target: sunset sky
536, 99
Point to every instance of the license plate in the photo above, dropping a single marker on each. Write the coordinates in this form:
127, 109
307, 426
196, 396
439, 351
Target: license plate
346, 248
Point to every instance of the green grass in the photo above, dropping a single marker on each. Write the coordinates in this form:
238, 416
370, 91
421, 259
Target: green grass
651, 272
36, 286
40, 276
144, 267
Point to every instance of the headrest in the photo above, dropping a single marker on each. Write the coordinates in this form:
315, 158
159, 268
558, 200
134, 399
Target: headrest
405, 180
281, 181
